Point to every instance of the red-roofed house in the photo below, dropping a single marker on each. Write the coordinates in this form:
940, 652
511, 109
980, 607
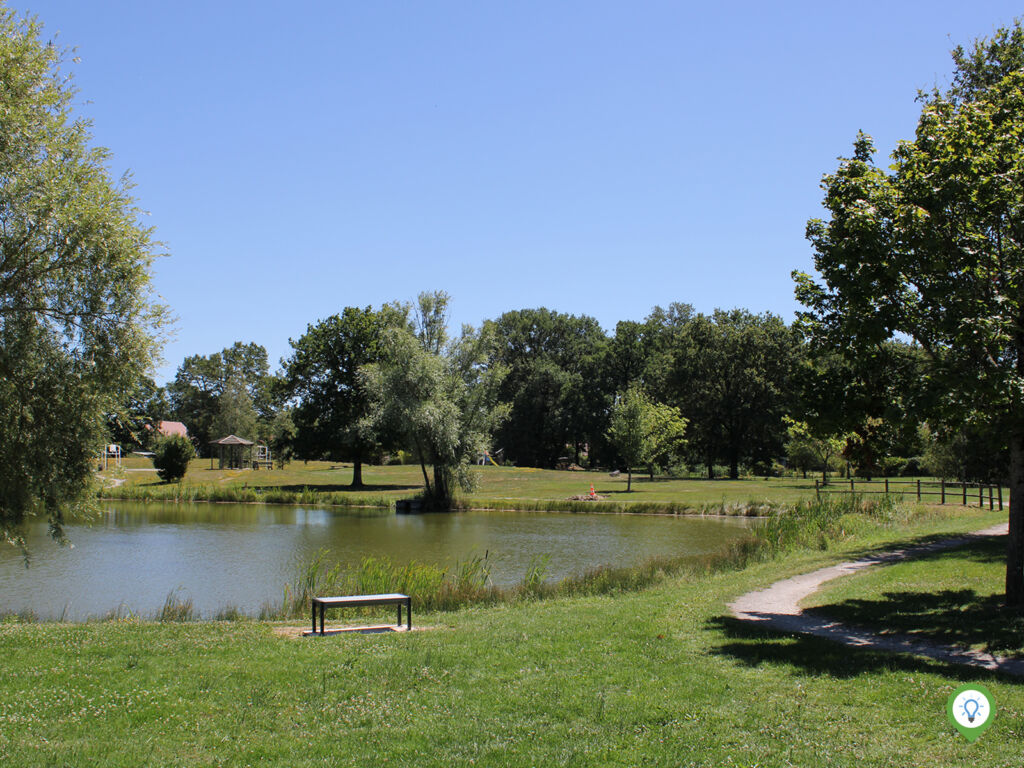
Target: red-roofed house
171, 428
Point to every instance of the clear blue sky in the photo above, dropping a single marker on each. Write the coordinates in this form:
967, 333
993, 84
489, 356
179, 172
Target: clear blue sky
592, 157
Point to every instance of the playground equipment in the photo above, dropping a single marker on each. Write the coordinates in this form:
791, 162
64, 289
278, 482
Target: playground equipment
261, 458
110, 453
487, 457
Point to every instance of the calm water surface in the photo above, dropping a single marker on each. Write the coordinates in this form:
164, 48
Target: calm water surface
242, 555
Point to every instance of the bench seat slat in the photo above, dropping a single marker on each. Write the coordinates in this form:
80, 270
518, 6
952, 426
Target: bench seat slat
368, 599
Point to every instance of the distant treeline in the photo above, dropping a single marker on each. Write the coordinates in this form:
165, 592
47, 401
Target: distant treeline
757, 397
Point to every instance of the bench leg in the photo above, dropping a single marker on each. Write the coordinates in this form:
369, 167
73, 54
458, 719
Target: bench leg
313, 603
399, 614
408, 611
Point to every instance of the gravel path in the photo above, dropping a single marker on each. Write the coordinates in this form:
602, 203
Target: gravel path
778, 607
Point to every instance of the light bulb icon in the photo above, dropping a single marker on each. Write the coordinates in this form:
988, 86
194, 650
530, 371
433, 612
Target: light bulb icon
970, 710
971, 707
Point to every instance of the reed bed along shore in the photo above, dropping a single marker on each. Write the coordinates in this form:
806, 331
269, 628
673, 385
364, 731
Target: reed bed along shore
183, 493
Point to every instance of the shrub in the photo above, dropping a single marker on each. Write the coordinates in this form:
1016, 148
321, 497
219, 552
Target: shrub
171, 457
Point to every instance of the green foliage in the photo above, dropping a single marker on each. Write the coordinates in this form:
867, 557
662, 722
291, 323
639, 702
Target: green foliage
933, 249
553, 384
730, 374
282, 437
643, 431
236, 414
77, 315
171, 457
331, 418
240, 376
440, 395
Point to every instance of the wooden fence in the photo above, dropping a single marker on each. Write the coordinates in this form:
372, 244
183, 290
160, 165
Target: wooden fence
964, 493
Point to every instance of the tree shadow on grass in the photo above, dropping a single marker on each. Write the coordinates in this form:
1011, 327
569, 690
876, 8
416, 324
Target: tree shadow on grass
948, 616
754, 646
982, 549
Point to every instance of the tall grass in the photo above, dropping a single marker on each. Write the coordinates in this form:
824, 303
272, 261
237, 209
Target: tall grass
431, 587
814, 524
179, 492
176, 609
752, 508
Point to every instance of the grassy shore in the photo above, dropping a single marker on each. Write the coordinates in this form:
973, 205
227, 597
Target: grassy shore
659, 677
498, 487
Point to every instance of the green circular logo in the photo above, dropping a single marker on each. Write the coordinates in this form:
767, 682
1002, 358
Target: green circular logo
971, 710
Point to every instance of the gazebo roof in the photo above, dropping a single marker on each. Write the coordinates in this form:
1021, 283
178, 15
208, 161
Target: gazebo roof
232, 440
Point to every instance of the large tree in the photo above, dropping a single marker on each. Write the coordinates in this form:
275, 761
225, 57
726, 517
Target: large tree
440, 394
933, 248
323, 375
77, 317
731, 376
554, 383
202, 380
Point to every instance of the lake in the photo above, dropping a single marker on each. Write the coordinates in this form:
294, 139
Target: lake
239, 555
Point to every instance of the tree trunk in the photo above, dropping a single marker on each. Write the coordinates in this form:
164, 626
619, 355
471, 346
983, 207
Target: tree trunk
442, 488
734, 468
629, 479
1015, 543
357, 474
711, 471
650, 471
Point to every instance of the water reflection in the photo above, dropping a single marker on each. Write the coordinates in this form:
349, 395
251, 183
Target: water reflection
242, 554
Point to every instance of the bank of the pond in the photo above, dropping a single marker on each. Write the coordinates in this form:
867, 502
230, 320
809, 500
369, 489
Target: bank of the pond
657, 676
174, 492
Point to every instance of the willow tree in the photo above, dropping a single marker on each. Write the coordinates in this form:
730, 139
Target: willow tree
439, 394
933, 248
77, 318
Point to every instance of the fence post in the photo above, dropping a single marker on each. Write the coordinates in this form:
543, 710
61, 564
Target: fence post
851, 483
942, 483
965, 493
991, 504
919, 490
981, 496
999, 488
817, 491
886, 486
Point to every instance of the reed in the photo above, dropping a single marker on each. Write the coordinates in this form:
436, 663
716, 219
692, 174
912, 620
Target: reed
752, 508
176, 609
178, 492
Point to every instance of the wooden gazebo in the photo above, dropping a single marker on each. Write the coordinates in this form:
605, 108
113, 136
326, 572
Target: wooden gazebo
234, 452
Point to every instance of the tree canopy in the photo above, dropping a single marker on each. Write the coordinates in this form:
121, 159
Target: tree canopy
439, 394
643, 431
330, 419
933, 249
228, 390
78, 320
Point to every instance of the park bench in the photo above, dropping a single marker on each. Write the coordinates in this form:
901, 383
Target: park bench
350, 601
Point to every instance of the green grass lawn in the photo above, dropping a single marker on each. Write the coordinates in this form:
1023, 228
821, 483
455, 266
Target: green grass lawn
658, 677
498, 486
950, 597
